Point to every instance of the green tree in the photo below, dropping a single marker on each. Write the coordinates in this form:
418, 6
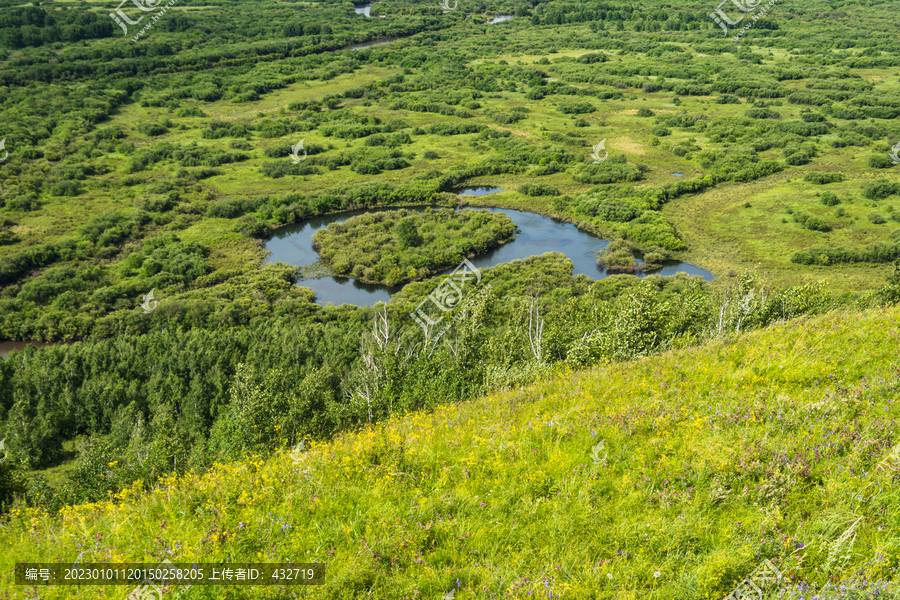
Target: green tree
408, 233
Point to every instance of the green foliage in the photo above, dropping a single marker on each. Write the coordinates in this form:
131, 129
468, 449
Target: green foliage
651, 228
619, 211
617, 258
232, 208
812, 222
408, 233
878, 190
538, 189
576, 108
762, 113
875, 253
829, 199
397, 246
819, 178
879, 161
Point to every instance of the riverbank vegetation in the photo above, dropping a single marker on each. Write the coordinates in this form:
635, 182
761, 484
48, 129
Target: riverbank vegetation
618, 257
394, 247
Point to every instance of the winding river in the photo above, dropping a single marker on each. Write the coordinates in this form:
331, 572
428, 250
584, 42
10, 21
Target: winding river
539, 234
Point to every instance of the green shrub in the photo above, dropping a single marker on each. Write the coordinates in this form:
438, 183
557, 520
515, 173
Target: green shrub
812, 222
232, 208
152, 129
762, 113
538, 189
876, 219
880, 161
65, 188
589, 59
823, 178
878, 190
829, 199
645, 112
577, 108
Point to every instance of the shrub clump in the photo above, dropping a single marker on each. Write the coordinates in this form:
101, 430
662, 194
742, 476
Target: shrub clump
394, 247
829, 199
823, 178
812, 222
538, 189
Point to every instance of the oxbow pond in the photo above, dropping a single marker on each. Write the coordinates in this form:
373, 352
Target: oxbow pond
538, 234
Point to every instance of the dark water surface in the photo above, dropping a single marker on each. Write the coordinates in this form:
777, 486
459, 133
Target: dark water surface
7, 347
539, 234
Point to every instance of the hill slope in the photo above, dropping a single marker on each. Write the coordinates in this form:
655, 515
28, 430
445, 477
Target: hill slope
780, 444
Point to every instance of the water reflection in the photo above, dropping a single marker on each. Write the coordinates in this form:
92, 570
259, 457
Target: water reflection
7, 347
369, 44
477, 191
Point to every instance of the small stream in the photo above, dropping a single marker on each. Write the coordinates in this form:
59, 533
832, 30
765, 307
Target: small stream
7, 347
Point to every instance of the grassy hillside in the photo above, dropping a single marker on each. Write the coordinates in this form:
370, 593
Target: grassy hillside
778, 444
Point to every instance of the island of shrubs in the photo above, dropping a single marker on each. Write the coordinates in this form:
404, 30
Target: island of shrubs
394, 247
619, 257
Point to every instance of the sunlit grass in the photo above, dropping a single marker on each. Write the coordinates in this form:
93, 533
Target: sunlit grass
769, 445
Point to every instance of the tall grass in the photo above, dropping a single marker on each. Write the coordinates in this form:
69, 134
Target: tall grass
780, 444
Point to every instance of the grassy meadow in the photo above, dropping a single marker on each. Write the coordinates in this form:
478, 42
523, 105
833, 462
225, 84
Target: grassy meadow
776, 444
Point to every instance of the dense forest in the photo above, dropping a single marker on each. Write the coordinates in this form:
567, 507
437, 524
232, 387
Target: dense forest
164, 164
